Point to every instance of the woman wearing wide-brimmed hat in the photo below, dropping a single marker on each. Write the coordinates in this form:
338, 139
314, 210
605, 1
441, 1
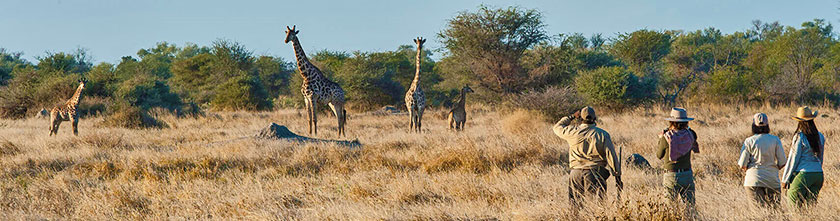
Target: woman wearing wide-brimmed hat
675, 147
803, 175
761, 158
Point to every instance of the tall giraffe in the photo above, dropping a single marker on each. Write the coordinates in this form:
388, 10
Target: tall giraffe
316, 88
458, 113
67, 111
415, 99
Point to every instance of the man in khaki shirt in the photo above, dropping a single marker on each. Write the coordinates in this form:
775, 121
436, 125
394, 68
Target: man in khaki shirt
591, 151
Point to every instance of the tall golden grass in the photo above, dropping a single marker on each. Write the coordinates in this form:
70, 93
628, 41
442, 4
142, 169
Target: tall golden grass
505, 165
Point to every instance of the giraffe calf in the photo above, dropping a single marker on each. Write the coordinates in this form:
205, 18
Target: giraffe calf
67, 112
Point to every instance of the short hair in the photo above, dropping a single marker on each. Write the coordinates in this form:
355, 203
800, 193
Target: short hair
760, 129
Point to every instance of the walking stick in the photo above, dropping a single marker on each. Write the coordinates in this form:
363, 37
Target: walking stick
619, 184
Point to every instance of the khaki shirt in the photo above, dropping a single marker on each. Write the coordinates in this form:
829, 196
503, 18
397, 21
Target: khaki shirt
589, 146
762, 155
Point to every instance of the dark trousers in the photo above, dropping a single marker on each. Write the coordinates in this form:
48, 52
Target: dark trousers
583, 182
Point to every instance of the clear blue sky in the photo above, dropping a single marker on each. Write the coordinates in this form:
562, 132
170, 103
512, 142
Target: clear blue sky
110, 29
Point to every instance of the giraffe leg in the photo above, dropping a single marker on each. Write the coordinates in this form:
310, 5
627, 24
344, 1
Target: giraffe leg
419, 120
338, 111
314, 107
410, 120
308, 113
451, 121
75, 121
56, 125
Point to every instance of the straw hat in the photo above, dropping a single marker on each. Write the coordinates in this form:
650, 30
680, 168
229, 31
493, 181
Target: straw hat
805, 114
679, 115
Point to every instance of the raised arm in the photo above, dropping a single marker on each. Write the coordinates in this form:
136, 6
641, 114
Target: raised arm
663, 148
562, 128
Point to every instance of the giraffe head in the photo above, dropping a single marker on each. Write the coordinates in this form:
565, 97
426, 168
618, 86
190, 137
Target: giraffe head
82, 83
467, 89
291, 34
419, 41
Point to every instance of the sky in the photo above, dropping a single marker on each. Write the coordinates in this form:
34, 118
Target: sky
110, 29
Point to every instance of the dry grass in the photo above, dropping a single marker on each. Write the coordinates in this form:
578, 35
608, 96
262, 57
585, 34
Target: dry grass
503, 166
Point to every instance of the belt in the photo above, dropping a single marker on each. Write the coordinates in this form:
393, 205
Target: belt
679, 170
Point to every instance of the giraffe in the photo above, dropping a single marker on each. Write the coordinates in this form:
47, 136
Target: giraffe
458, 115
316, 87
415, 99
67, 111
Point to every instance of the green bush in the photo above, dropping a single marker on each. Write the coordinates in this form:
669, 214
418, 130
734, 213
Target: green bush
241, 93
146, 91
613, 87
127, 116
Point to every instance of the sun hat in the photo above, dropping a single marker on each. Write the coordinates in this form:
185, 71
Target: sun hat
805, 114
760, 119
587, 113
679, 115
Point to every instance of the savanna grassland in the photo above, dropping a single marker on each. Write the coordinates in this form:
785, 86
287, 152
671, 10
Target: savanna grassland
506, 165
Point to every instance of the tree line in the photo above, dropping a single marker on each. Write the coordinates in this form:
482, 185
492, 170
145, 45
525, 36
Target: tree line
504, 53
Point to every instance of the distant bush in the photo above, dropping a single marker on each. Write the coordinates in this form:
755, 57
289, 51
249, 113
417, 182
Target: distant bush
93, 106
146, 91
552, 102
124, 115
241, 93
613, 87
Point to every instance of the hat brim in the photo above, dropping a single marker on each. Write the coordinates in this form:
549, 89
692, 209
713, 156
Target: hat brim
679, 119
804, 119
814, 116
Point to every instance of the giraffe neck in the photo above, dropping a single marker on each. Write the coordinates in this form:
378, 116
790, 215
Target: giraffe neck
73, 101
463, 99
304, 66
416, 80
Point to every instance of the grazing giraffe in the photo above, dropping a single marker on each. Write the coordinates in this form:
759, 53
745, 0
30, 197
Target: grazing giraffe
67, 112
458, 114
316, 88
415, 100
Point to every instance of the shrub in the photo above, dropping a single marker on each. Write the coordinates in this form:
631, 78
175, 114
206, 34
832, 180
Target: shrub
241, 93
16, 97
124, 115
552, 102
613, 87
145, 91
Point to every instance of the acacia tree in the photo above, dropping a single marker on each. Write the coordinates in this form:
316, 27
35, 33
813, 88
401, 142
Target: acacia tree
491, 42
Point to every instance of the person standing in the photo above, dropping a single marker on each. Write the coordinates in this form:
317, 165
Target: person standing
591, 154
675, 147
761, 158
803, 175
